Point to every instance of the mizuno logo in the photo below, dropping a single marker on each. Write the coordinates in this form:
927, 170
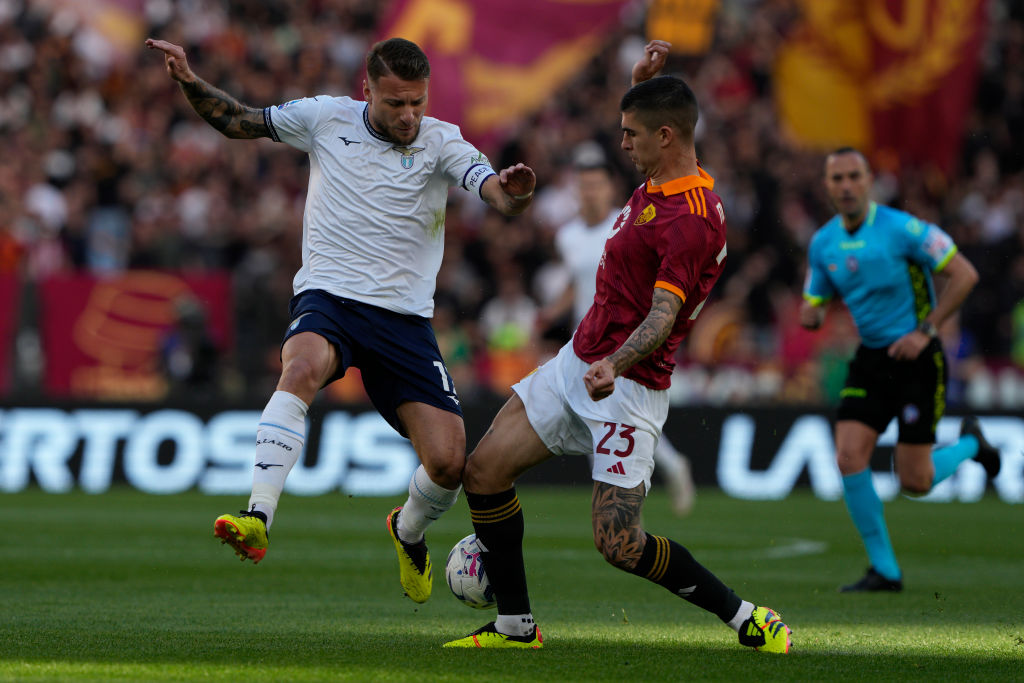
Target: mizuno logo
349, 142
617, 468
267, 465
455, 399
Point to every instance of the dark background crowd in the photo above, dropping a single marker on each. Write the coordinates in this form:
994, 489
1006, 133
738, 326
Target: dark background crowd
106, 168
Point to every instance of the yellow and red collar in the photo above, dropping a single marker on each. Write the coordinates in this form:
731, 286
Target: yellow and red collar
679, 185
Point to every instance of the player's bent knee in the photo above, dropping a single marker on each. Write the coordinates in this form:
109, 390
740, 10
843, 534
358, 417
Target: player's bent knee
479, 477
916, 484
446, 470
300, 376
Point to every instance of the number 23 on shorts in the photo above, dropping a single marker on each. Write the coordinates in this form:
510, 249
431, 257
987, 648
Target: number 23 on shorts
625, 438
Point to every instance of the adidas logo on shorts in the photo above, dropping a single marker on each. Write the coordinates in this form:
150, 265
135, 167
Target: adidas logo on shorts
617, 468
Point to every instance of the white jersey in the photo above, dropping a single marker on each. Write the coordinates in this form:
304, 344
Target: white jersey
580, 246
373, 226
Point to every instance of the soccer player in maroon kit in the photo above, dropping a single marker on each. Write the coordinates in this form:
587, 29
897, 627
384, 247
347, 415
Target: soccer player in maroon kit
605, 391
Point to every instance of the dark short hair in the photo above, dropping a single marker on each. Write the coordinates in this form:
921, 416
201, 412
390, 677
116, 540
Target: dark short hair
664, 100
849, 150
397, 56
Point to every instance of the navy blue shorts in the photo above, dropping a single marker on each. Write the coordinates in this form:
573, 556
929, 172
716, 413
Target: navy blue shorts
396, 353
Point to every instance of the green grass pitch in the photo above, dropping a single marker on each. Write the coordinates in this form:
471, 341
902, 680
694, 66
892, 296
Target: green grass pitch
125, 586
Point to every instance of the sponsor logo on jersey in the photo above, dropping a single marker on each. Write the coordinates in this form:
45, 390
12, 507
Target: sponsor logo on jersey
851, 264
408, 154
282, 106
349, 142
646, 216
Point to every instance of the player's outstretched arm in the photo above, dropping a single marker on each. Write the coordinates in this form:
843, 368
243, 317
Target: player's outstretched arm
652, 333
220, 110
648, 66
511, 190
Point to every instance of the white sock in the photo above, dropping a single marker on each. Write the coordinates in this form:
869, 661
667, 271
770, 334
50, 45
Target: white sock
744, 612
279, 441
514, 624
427, 501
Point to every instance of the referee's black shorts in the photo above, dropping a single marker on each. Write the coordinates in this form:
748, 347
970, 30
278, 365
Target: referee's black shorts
879, 388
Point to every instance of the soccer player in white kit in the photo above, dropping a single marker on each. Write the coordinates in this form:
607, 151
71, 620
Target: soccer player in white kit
372, 241
580, 244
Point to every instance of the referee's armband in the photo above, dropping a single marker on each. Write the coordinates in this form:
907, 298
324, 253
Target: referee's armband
475, 177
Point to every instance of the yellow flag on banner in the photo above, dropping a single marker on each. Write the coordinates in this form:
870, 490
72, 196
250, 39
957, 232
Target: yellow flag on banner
893, 77
493, 63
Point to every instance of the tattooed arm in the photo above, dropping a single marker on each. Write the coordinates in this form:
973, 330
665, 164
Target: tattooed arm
652, 333
618, 534
220, 110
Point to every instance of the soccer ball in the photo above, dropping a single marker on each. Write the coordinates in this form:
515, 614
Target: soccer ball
466, 576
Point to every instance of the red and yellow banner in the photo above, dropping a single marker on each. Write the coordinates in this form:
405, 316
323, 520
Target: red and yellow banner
688, 24
893, 77
9, 290
491, 62
102, 337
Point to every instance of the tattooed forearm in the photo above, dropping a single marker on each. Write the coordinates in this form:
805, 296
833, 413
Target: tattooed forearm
617, 530
651, 333
224, 112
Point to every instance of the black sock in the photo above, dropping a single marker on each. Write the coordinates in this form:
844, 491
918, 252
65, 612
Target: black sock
498, 521
669, 564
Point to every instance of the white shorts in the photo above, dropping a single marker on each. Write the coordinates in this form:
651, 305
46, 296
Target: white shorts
620, 431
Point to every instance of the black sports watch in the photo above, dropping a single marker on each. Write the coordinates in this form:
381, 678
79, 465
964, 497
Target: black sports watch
928, 329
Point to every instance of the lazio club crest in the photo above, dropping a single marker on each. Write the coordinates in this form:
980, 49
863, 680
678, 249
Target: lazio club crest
408, 154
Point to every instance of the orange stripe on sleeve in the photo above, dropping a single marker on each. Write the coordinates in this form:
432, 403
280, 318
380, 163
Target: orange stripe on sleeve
703, 204
668, 286
689, 201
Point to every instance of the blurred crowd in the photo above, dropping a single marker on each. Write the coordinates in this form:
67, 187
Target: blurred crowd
107, 168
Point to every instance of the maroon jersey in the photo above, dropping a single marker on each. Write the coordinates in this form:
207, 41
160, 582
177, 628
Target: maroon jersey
670, 236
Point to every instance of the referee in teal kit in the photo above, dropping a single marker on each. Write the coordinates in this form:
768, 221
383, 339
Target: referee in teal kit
880, 261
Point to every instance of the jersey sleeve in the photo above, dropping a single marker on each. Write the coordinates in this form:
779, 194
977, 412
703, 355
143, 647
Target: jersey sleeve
294, 122
927, 244
818, 287
464, 165
686, 247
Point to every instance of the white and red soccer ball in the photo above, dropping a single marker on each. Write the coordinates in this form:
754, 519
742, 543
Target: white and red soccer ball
466, 575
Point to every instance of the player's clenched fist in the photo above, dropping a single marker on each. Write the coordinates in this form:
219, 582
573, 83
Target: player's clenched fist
600, 379
174, 58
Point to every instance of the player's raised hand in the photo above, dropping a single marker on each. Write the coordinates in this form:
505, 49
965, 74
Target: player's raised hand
517, 181
600, 379
174, 58
648, 66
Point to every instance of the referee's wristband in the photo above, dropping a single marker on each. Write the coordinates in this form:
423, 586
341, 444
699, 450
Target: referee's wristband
521, 197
